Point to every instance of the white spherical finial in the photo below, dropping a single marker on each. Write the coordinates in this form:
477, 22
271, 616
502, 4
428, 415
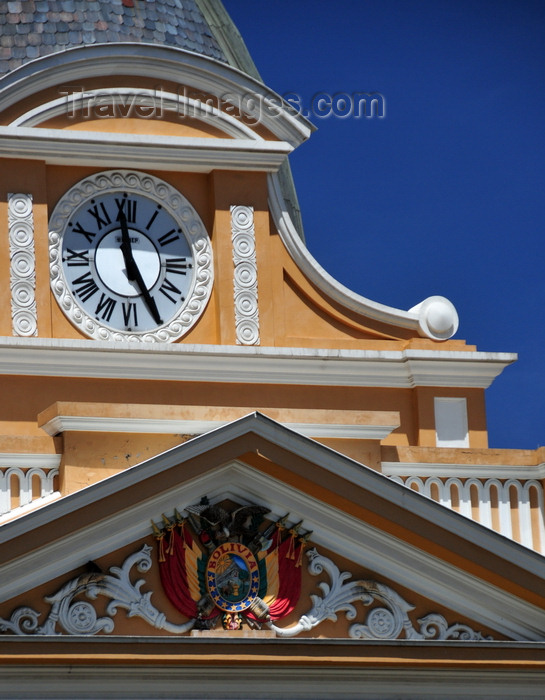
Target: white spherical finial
437, 318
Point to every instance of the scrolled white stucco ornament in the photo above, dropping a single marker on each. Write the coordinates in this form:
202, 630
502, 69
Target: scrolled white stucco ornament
387, 617
69, 614
388, 620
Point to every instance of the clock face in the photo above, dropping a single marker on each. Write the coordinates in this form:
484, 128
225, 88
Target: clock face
130, 258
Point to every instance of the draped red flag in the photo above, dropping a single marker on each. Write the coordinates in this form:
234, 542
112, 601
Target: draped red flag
289, 575
174, 577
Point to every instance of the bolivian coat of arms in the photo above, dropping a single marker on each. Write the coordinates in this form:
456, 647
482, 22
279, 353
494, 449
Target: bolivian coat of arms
232, 566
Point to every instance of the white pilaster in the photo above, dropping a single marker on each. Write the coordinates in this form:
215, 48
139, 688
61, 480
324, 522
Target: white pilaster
245, 275
22, 265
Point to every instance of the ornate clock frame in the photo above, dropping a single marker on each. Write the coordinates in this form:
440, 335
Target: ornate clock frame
136, 183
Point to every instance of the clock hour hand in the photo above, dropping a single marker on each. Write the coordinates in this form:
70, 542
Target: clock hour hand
133, 273
134, 276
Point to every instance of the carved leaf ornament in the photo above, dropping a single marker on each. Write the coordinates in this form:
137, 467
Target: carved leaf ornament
232, 568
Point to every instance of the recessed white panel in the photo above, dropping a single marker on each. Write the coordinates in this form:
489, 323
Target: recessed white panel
451, 422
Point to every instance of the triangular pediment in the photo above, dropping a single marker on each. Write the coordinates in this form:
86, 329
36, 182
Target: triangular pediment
222, 472
363, 523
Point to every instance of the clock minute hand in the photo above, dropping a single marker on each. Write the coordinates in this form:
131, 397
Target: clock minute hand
133, 272
126, 247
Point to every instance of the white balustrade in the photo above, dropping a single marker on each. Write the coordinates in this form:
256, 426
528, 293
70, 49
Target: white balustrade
23, 480
520, 507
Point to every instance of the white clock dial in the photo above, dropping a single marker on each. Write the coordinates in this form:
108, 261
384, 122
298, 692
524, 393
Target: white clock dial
130, 258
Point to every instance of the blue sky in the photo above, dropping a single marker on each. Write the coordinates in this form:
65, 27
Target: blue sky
445, 194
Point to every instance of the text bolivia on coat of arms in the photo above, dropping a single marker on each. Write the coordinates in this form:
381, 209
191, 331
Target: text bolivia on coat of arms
215, 563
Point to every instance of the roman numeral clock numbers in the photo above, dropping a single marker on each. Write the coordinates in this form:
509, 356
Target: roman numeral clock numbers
169, 289
88, 235
130, 315
129, 247
100, 214
77, 259
85, 286
177, 266
169, 237
153, 217
127, 258
105, 307
174, 266
127, 207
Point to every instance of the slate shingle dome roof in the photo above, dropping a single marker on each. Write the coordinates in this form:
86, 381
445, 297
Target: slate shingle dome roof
30, 29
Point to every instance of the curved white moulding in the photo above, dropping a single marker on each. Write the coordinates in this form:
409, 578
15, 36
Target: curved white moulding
128, 99
434, 317
229, 85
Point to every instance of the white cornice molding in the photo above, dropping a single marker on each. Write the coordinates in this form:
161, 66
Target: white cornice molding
435, 317
194, 154
63, 423
31, 460
388, 677
180, 67
475, 471
258, 364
